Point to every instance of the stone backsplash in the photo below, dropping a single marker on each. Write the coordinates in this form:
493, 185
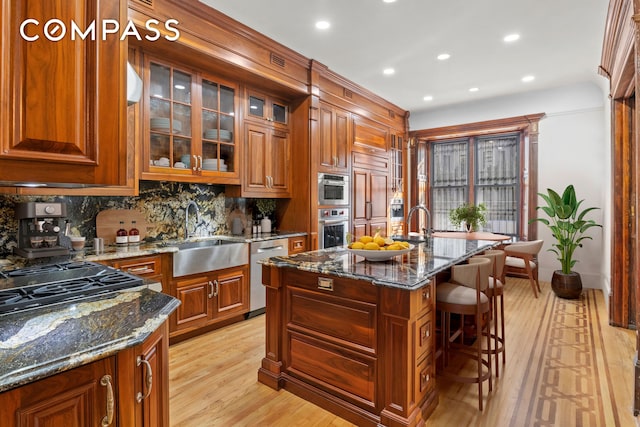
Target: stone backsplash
162, 203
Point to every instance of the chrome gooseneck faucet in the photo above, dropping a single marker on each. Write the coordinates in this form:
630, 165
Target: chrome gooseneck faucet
425, 231
186, 219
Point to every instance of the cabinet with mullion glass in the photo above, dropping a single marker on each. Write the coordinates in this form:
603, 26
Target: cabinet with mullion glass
191, 126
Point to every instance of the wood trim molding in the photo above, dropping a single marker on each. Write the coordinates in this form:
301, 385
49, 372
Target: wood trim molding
528, 125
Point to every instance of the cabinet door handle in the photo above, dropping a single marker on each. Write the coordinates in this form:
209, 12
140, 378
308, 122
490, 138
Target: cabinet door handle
148, 378
270, 181
215, 293
195, 162
108, 419
140, 270
200, 159
211, 291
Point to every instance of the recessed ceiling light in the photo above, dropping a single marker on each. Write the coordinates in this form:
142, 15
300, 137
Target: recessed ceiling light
323, 25
389, 1
528, 79
388, 71
511, 38
444, 56
474, 89
428, 98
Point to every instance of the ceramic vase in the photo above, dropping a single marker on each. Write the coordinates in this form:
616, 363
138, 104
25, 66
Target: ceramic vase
266, 225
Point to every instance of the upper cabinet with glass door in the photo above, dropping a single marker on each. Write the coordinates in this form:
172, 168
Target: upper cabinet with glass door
265, 108
191, 127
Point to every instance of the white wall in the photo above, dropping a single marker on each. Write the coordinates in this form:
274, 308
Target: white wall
573, 148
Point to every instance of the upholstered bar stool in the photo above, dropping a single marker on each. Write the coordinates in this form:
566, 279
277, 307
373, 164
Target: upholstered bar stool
522, 258
464, 294
495, 292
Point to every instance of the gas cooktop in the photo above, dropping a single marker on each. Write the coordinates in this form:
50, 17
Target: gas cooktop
40, 285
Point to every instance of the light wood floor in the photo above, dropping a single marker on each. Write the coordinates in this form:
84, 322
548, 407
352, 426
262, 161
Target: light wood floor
565, 367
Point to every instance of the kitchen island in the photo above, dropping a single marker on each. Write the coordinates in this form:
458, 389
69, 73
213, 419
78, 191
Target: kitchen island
358, 337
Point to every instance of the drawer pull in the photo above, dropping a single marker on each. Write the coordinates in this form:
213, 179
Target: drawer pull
108, 419
325, 284
140, 270
148, 378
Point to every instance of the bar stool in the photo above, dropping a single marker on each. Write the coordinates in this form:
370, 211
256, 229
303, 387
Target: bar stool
464, 294
495, 292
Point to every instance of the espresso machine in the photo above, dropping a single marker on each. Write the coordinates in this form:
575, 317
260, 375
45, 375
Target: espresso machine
41, 228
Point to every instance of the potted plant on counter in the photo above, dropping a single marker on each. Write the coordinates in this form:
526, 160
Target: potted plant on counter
568, 225
472, 216
266, 208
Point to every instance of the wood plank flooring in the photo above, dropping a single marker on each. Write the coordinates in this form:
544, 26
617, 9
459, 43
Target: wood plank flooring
565, 367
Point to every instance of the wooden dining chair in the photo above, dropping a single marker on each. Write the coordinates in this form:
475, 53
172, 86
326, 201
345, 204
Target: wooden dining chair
464, 294
495, 292
522, 259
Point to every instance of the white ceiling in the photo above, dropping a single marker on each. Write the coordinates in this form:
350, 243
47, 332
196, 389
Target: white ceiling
560, 43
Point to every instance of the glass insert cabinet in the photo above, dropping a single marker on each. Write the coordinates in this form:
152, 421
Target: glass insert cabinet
190, 125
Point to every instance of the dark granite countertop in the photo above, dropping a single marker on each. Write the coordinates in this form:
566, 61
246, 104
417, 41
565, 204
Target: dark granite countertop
114, 252
41, 342
410, 271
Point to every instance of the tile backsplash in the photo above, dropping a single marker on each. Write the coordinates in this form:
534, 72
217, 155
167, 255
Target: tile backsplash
162, 203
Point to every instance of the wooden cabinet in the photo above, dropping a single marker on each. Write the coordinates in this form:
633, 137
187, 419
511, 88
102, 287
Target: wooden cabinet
365, 353
267, 162
63, 102
369, 136
262, 107
209, 298
397, 163
370, 197
190, 126
267, 148
80, 397
335, 135
143, 385
149, 267
297, 244
128, 389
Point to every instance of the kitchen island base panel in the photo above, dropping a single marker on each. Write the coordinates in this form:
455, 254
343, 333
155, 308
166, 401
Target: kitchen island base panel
382, 339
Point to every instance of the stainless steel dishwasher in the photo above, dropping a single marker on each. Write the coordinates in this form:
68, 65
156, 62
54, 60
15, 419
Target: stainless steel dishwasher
259, 251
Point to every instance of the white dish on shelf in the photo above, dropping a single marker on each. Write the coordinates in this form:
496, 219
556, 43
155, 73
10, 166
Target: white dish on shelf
162, 124
379, 255
223, 135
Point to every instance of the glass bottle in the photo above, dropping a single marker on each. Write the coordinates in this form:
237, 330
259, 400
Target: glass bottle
134, 234
122, 236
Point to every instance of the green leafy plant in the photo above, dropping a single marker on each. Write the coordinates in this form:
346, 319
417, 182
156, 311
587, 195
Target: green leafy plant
266, 206
567, 224
471, 215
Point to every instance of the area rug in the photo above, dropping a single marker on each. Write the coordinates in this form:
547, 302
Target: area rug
564, 381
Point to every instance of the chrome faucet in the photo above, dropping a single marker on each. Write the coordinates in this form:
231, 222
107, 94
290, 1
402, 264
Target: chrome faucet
425, 231
186, 219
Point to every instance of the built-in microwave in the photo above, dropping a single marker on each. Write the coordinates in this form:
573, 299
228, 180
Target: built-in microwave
333, 190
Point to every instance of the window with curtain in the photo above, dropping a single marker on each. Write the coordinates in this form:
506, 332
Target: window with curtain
483, 169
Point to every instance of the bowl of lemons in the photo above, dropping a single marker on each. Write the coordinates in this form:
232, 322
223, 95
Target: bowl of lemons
378, 248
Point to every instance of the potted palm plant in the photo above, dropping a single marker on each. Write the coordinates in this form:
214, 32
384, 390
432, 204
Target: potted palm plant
568, 225
472, 216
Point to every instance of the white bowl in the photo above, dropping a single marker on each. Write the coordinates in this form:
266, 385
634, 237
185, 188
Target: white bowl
379, 255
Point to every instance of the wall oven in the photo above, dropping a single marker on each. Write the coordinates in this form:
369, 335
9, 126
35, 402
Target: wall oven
333, 226
333, 190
